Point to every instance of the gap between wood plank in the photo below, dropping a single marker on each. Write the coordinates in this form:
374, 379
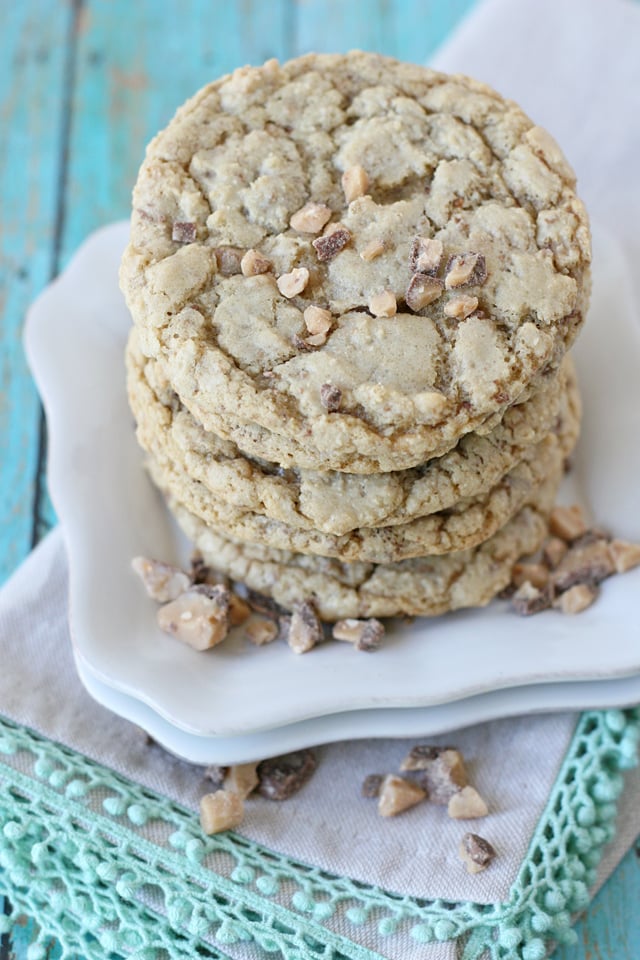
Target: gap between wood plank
63, 167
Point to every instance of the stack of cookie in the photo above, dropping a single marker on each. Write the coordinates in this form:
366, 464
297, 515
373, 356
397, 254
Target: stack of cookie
354, 283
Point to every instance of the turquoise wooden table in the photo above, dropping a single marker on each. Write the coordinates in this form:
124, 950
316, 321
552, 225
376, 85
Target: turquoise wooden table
84, 84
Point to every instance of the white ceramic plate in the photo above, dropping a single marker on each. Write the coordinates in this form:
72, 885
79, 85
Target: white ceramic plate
75, 337
415, 722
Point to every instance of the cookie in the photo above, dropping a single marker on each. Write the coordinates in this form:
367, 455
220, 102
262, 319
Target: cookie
426, 586
469, 522
334, 502
355, 259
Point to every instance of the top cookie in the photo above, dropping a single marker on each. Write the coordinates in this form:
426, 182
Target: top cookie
364, 258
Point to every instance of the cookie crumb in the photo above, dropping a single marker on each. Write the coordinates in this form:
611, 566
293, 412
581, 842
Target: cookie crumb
467, 804
383, 304
422, 291
355, 183
184, 231
332, 242
425, 256
221, 811
397, 795
330, 397
253, 264
293, 283
311, 218
476, 852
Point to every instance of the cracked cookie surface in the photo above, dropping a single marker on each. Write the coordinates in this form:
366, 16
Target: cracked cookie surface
334, 502
281, 188
465, 524
424, 586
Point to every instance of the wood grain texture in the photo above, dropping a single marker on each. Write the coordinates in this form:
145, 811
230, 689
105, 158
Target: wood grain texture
32, 73
83, 87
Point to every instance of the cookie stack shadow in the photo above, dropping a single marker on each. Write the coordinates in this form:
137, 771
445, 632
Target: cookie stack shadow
357, 391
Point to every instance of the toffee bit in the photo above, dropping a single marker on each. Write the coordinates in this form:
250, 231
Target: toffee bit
259, 603
383, 304
372, 250
625, 555
261, 632
221, 811
162, 581
229, 260
305, 629
239, 610
317, 319
292, 283
183, 231
397, 795
588, 561
253, 264
465, 269
371, 785
568, 523
330, 397
422, 291
467, 804
476, 852
576, 598
281, 777
198, 617
425, 256
460, 307
311, 218
330, 244
528, 599
355, 183
363, 634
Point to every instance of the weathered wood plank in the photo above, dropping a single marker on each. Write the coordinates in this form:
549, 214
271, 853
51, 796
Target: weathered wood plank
610, 930
34, 38
136, 64
410, 30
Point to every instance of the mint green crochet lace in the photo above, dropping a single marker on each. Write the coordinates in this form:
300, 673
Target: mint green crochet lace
110, 868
